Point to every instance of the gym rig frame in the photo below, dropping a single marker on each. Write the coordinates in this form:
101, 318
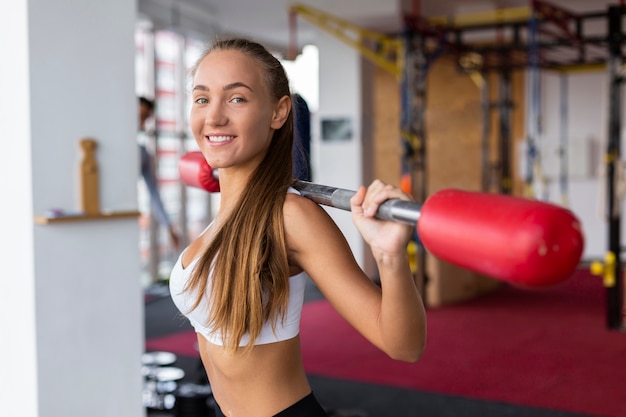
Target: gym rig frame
540, 37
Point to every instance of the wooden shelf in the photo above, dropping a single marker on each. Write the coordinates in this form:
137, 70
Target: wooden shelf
89, 194
86, 217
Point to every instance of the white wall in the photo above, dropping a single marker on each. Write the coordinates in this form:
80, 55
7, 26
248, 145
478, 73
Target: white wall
587, 128
338, 163
71, 320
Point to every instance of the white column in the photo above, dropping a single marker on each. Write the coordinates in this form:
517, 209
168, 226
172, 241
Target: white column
337, 161
18, 386
71, 308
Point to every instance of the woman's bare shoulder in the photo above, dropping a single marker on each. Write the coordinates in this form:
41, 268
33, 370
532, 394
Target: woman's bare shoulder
301, 212
310, 230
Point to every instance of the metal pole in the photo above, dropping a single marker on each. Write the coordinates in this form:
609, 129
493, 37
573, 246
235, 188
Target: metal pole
485, 98
614, 293
414, 124
394, 209
564, 139
506, 181
533, 106
181, 127
153, 234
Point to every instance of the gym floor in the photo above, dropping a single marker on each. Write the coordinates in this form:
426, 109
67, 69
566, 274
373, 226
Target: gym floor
342, 398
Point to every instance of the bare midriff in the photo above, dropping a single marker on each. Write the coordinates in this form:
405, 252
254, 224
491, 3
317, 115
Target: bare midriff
258, 383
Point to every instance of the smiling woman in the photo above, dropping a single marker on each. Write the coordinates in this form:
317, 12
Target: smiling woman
230, 107
241, 281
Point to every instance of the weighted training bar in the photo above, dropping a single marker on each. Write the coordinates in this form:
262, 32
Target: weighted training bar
395, 209
524, 242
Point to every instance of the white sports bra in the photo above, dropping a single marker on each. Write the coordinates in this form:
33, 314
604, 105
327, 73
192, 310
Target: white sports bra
283, 330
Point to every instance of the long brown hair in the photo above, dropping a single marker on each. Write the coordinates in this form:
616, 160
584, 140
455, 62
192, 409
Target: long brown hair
248, 256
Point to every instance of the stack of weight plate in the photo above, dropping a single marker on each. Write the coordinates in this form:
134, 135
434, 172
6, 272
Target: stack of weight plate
160, 380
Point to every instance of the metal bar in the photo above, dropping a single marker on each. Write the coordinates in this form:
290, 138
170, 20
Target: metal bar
485, 98
564, 139
481, 19
558, 16
181, 113
533, 113
614, 298
379, 48
153, 230
394, 209
505, 105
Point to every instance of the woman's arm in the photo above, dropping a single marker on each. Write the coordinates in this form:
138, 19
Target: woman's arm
392, 319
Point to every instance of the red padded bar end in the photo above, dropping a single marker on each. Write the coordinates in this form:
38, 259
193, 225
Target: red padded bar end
525, 242
196, 172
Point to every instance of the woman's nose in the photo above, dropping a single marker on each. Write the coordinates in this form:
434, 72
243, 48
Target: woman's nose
215, 115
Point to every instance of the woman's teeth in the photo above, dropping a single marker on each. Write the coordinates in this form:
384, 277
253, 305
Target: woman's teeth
220, 138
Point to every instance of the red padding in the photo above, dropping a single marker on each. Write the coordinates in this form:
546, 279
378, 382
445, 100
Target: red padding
524, 242
195, 171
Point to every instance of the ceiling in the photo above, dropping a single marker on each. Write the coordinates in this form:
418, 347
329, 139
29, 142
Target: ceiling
268, 20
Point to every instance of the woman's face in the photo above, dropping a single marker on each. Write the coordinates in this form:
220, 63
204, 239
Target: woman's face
233, 115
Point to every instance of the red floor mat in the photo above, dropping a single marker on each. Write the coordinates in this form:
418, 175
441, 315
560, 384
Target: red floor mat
547, 349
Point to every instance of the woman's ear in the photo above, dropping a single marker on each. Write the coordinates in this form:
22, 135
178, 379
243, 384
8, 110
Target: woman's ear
281, 112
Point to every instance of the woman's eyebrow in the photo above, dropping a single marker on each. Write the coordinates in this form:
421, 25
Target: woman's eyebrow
230, 86
237, 84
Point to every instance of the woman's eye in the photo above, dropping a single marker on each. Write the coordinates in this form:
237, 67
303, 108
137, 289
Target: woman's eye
201, 100
238, 100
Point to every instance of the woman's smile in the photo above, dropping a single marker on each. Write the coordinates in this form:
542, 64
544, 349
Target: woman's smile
219, 138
